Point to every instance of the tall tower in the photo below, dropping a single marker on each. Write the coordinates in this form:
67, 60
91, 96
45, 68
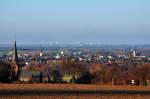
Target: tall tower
41, 52
15, 54
15, 72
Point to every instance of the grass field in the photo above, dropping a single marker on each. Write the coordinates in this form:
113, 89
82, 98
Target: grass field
72, 91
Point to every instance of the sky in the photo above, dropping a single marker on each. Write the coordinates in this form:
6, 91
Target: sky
73, 21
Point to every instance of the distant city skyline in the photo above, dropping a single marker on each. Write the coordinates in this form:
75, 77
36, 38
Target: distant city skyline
75, 21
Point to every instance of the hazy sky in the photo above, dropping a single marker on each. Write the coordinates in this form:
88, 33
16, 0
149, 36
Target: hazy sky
103, 21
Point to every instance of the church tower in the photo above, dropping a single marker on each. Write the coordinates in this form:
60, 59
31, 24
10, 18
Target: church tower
15, 63
15, 53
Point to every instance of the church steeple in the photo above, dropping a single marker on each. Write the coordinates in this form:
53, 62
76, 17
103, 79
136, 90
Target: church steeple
15, 64
15, 53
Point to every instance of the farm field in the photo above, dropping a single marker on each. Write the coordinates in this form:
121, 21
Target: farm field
72, 91
71, 87
78, 97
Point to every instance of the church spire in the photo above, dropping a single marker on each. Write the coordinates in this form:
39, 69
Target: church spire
15, 54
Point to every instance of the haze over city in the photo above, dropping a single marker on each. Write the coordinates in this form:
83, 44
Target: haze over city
71, 21
74, 49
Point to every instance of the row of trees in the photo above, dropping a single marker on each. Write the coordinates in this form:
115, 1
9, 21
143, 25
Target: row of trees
112, 73
121, 74
82, 72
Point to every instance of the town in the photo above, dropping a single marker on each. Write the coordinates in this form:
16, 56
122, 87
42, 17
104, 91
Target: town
107, 65
74, 49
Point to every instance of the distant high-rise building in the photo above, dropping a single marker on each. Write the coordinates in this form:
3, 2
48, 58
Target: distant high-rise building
133, 53
41, 52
